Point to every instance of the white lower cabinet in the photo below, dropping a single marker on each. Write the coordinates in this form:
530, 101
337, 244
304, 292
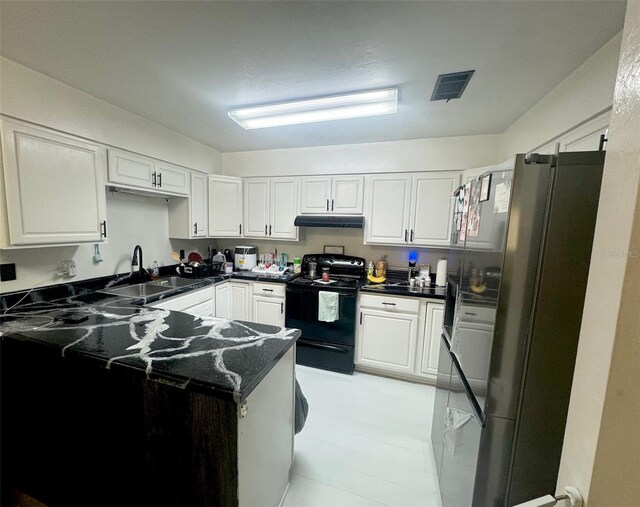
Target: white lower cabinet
399, 335
233, 300
269, 304
199, 302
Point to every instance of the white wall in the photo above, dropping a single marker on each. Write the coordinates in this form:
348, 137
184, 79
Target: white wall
583, 94
313, 239
34, 97
437, 154
132, 220
602, 440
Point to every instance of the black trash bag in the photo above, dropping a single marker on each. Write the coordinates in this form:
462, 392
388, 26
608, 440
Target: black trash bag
301, 410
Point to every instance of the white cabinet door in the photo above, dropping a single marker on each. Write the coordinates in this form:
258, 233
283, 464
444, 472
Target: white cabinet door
283, 208
268, 310
223, 301
387, 206
316, 194
387, 340
347, 195
206, 309
256, 207
431, 208
225, 207
431, 342
54, 186
131, 169
171, 178
240, 301
199, 205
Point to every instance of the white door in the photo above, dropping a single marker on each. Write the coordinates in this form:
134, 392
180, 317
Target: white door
199, 203
54, 186
284, 208
315, 194
256, 207
240, 301
431, 343
225, 207
431, 208
171, 178
268, 310
387, 206
223, 301
131, 169
387, 341
347, 195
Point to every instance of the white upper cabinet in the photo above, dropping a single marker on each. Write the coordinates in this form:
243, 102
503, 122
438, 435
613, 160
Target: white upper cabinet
54, 186
132, 170
189, 217
283, 208
225, 207
409, 208
256, 207
340, 195
430, 221
347, 195
388, 202
171, 178
270, 207
199, 205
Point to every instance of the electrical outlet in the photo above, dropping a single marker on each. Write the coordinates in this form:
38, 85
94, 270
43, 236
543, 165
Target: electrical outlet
68, 268
7, 272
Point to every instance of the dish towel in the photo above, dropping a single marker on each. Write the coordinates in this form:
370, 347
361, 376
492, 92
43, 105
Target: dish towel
327, 306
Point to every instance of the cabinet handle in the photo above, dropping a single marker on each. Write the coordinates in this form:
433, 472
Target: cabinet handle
265, 229
411, 240
281, 307
160, 179
269, 230
240, 229
195, 228
360, 318
153, 179
331, 204
405, 235
267, 290
327, 204
103, 227
389, 304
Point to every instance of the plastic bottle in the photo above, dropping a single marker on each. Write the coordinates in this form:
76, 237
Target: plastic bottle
155, 270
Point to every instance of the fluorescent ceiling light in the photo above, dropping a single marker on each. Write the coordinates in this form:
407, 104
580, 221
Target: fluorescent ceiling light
336, 107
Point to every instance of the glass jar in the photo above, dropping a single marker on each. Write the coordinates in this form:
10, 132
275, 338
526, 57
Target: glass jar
312, 269
325, 274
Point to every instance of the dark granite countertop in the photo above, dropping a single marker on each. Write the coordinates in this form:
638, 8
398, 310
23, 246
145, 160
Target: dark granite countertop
402, 289
227, 358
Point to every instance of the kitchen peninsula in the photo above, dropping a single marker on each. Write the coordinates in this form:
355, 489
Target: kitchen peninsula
109, 402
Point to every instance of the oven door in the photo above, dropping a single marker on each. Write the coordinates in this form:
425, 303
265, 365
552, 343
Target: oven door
302, 313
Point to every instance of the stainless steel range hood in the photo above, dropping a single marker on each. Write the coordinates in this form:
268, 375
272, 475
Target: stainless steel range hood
350, 222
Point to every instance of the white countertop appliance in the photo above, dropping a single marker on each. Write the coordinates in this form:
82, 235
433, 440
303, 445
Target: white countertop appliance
245, 258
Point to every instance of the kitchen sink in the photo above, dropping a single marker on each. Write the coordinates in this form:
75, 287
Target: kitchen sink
140, 290
173, 281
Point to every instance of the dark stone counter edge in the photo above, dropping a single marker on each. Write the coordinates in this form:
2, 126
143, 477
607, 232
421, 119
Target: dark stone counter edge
426, 293
183, 383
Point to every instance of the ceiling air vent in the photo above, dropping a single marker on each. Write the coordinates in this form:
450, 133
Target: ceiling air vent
451, 86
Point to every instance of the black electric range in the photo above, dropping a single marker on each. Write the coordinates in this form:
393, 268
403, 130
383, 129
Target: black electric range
326, 345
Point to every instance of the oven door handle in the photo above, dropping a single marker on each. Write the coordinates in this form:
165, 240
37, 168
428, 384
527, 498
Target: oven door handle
323, 347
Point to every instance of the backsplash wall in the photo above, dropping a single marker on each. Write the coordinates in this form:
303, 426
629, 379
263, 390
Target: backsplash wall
312, 240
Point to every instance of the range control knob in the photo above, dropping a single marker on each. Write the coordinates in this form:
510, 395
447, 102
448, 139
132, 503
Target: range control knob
351, 261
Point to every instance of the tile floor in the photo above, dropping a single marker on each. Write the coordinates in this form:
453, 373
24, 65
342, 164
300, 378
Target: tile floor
366, 442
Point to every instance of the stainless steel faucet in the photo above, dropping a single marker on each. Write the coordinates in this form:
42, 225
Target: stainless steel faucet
136, 263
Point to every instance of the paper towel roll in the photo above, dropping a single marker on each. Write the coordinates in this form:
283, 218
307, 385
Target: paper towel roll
441, 273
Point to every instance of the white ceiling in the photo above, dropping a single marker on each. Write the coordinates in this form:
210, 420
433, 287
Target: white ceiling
184, 64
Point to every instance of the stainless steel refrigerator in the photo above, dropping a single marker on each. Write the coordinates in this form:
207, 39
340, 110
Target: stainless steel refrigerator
518, 264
